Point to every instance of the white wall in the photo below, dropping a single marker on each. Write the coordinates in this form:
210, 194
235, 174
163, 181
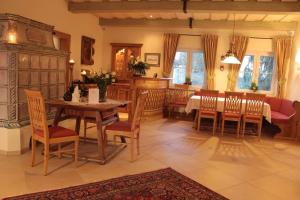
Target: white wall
55, 12
152, 40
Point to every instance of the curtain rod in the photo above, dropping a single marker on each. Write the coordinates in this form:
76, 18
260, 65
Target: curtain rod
261, 38
190, 35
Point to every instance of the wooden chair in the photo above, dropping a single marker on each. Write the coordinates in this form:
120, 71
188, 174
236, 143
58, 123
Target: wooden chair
208, 107
130, 129
44, 134
176, 98
232, 109
254, 111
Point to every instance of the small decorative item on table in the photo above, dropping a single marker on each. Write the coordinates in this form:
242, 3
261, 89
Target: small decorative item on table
137, 66
69, 92
253, 87
102, 81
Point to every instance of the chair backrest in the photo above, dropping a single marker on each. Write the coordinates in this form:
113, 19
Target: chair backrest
208, 100
175, 95
255, 104
233, 102
182, 86
139, 110
37, 112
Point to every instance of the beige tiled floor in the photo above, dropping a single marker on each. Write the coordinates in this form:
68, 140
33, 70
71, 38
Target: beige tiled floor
238, 169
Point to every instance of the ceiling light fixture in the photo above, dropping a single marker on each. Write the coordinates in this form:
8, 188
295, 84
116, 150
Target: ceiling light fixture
230, 57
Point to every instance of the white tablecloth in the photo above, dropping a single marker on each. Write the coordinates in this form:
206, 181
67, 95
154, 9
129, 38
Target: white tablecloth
194, 103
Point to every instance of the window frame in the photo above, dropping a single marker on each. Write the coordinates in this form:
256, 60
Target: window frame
256, 68
189, 66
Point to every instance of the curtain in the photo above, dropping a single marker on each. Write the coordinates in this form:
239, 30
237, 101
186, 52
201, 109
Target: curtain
210, 43
170, 46
240, 47
282, 50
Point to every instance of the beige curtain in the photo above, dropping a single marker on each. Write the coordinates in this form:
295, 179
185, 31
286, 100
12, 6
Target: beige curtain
240, 47
282, 50
210, 43
170, 46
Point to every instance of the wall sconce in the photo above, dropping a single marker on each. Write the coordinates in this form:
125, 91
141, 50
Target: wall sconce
71, 66
12, 33
222, 68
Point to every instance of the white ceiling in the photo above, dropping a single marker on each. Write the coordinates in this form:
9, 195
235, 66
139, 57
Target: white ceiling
215, 15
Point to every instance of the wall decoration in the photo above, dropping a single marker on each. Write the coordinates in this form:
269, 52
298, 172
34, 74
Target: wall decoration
152, 59
87, 50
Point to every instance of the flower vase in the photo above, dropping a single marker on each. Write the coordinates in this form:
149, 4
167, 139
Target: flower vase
102, 91
102, 95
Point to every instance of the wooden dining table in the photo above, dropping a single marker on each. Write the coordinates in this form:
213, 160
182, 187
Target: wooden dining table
104, 113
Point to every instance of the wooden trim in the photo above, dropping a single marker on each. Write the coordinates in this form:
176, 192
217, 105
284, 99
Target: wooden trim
125, 45
65, 45
192, 6
208, 24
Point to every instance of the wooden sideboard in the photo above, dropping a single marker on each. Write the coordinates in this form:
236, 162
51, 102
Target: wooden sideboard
130, 90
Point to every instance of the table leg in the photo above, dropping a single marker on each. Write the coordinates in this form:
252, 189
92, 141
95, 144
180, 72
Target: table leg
77, 126
100, 137
57, 117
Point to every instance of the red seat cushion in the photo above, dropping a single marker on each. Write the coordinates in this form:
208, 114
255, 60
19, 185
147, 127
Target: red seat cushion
287, 107
275, 103
119, 126
278, 117
252, 117
57, 132
212, 113
232, 115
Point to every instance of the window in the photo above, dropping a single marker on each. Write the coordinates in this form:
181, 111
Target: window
256, 68
189, 64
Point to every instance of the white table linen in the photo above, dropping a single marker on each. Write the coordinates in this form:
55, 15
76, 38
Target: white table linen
194, 103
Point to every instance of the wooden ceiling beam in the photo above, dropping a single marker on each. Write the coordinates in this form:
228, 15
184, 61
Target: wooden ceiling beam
203, 24
192, 6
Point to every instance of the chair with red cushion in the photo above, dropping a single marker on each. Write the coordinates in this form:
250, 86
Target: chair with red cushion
254, 111
232, 109
177, 98
130, 129
208, 107
45, 135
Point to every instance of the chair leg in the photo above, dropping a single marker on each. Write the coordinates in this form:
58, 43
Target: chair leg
244, 127
214, 125
131, 149
222, 129
84, 131
196, 120
46, 158
199, 123
33, 149
76, 145
138, 144
259, 129
59, 150
238, 129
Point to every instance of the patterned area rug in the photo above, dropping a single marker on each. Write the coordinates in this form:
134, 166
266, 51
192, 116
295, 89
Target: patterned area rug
161, 184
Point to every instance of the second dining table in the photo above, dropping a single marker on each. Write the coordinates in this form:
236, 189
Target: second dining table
194, 104
104, 114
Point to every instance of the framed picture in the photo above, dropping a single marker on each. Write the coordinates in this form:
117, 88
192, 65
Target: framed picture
87, 50
152, 59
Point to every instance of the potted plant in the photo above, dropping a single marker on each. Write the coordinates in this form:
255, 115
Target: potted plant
137, 66
253, 87
188, 80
